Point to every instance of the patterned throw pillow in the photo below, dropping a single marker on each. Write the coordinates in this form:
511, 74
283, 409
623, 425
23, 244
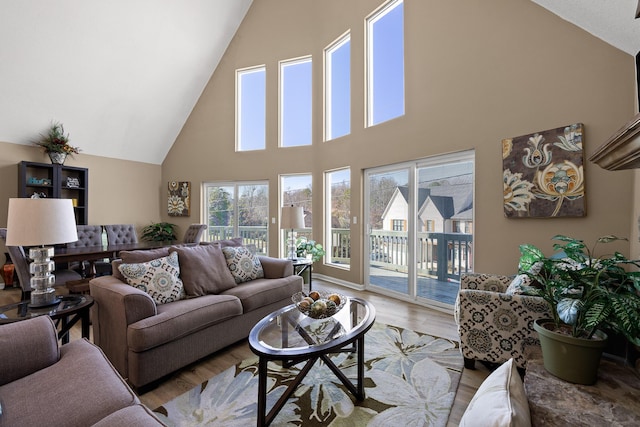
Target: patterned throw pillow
244, 266
159, 278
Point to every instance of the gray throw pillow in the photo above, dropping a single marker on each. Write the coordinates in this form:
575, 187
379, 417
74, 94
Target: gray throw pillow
203, 270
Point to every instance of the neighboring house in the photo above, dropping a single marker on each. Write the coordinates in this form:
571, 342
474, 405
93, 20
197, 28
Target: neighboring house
444, 208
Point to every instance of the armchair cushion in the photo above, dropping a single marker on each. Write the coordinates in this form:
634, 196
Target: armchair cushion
160, 278
203, 270
36, 348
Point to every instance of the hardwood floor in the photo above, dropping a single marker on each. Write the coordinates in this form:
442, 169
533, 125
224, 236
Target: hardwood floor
388, 310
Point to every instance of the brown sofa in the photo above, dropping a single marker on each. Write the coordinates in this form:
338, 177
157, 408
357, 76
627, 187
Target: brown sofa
43, 383
146, 341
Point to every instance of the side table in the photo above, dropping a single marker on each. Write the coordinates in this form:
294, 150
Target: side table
66, 313
612, 400
300, 265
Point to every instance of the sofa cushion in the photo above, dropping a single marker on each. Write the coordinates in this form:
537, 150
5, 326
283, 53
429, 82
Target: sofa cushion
203, 270
235, 242
160, 278
131, 257
260, 292
244, 266
181, 318
499, 401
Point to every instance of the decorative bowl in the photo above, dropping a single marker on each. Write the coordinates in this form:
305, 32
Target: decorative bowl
324, 305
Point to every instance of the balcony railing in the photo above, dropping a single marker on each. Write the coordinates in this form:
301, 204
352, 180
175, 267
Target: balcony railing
251, 235
443, 256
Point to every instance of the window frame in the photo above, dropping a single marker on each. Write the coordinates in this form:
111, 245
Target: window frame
235, 197
281, 99
239, 110
369, 97
306, 232
328, 226
339, 43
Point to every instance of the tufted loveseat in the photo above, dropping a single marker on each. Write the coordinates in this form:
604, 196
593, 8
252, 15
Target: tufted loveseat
495, 326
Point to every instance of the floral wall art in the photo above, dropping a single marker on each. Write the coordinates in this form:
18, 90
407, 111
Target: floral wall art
179, 198
543, 174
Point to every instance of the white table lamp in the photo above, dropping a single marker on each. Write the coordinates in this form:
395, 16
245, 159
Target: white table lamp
40, 222
291, 218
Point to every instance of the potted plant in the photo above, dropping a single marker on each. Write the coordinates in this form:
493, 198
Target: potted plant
306, 247
589, 296
159, 232
56, 144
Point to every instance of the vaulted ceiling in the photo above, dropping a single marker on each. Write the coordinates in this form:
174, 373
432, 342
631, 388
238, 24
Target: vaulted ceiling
123, 75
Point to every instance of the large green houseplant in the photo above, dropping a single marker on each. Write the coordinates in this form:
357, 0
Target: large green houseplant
588, 295
159, 232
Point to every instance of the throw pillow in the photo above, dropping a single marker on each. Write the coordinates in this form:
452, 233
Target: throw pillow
499, 401
244, 266
160, 278
135, 257
203, 270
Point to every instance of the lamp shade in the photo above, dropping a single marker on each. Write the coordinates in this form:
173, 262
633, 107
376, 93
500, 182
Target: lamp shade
292, 217
33, 222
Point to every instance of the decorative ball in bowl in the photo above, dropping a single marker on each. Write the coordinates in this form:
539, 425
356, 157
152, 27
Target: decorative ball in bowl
318, 304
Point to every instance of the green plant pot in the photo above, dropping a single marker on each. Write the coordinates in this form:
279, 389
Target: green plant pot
575, 360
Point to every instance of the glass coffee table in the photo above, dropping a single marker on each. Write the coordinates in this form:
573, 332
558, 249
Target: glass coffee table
67, 312
292, 337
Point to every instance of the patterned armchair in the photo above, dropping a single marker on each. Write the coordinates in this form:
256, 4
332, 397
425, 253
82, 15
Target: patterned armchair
493, 325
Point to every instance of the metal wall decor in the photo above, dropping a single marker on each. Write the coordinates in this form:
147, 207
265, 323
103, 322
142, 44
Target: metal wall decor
179, 198
543, 174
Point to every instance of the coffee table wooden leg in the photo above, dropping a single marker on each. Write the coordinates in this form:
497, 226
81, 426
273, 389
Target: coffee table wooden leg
360, 344
64, 330
86, 320
262, 391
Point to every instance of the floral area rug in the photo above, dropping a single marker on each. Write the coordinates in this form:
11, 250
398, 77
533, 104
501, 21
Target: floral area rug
410, 380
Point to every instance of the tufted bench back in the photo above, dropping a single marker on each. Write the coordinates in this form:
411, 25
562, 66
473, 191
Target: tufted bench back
118, 234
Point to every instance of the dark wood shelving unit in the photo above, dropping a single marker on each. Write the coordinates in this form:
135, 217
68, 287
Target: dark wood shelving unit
57, 181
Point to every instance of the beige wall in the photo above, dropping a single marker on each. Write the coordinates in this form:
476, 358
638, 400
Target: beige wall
119, 191
476, 72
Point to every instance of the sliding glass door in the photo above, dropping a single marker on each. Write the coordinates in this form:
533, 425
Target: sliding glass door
419, 227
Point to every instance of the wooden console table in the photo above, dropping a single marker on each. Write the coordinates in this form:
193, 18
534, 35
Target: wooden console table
614, 400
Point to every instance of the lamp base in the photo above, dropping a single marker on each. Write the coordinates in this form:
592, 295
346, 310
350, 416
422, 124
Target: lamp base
43, 298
